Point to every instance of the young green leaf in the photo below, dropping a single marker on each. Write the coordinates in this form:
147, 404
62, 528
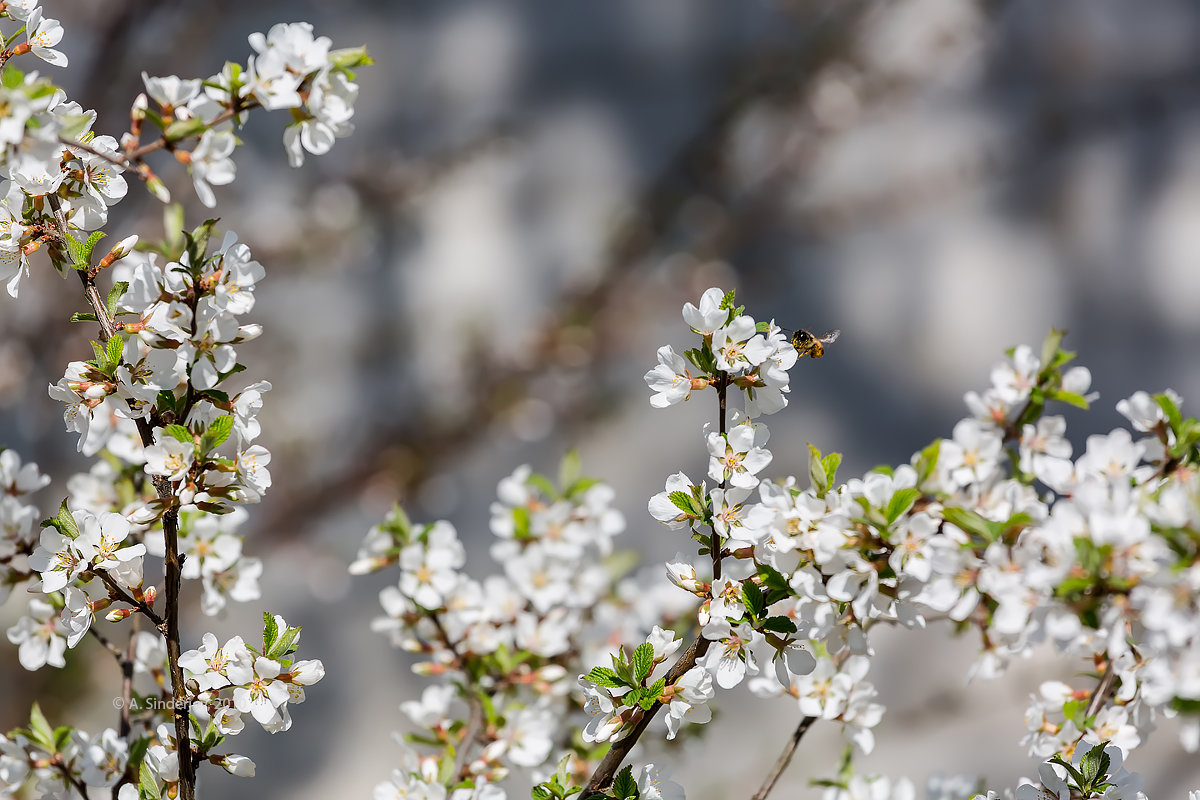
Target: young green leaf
900, 503
570, 469
148, 783
778, 625
218, 431
753, 598
113, 352
624, 786
114, 295
270, 631
816, 471
643, 661
179, 432
40, 731
830, 464
603, 676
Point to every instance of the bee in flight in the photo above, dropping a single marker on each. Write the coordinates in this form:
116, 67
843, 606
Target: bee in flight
808, 345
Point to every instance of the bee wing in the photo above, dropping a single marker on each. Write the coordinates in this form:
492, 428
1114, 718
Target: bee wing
831, 336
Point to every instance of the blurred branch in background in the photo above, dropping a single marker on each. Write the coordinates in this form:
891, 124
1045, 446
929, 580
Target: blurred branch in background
578, 333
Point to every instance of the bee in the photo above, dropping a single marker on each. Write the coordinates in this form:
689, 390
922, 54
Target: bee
808, 345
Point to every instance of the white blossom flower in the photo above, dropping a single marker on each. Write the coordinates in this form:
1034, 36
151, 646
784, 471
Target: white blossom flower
43, 35
689, 700
40, 637
671, 380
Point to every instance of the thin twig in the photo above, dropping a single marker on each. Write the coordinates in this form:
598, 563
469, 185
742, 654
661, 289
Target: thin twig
125, 597
604, 773
1107, 683
475, 720
784, 759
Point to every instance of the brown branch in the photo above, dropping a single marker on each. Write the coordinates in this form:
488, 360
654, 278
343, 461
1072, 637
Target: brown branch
127, 664
72, 779
1104, 688
413, 448
616, 754
784, 759
173, 563
116, 589
604, 773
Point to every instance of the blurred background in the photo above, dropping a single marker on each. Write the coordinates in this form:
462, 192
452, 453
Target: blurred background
481, 275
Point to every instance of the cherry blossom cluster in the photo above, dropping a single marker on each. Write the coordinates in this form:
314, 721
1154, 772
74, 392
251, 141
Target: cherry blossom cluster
505, 651
1095, 772
174, 440
48, 148
63, 764
996, 529
235, 679
753, 357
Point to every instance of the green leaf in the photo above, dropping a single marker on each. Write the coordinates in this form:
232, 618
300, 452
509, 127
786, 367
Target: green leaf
1170, 411
543, 485
101, 355
350, 57
285, 645
603, 676
138, 748
114, 349
11, 77
114, 294
1070, 768
147, 783
624, 787
173, 228
1094, 765
197, 241
179, 432
927, 461
218, 431
772, 578
64, 522
816, 471
85, 250
62, 737
185, 128
683, 501
1051, 346
1070, 398
540, 792
778, 625
653, 692
1186, 705
75, 251
270, 631
643, 661
83, 316
580, 486
971, 522
40, 731
570, 469
831, 463
446, 765
753, 598
521, 524
900, 503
